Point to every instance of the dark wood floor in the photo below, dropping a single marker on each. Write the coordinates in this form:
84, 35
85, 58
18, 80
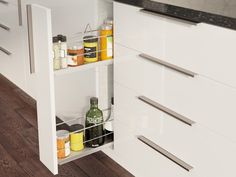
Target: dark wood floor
19, 143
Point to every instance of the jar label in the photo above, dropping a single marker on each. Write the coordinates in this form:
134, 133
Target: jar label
90, 52
62, 53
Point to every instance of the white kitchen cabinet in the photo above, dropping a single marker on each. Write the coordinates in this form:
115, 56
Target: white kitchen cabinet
11, 41
186, 106
64, 93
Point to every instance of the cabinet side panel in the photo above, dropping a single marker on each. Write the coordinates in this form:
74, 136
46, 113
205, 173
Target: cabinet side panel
42, 45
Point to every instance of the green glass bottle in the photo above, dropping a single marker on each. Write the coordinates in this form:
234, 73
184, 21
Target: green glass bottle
93, 117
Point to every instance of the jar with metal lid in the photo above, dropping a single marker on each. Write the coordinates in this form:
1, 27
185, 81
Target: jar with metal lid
77, 137
77, 50
90, 49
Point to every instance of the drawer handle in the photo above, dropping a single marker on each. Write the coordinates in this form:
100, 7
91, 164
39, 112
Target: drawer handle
30, 39
168, 65
167, 110
19, 12
4, 27
181, 19
165, 153
5, 51
4, 2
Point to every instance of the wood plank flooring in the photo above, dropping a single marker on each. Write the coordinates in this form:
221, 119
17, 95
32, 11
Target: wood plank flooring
19, 142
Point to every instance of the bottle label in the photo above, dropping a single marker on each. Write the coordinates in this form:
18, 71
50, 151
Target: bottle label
109, 46
96, 120
62, 53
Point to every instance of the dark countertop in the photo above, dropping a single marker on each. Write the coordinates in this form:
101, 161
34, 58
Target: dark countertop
191, 15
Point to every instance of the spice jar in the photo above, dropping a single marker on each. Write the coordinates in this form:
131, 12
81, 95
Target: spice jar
90, 49
63, 51
106, 42
59, 52
79, 52
77, 137
63, 144
56, 54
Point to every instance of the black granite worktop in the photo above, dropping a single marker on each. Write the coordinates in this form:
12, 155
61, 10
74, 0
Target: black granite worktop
191, 15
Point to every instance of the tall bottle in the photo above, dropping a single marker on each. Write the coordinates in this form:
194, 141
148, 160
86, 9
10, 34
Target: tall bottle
94, 117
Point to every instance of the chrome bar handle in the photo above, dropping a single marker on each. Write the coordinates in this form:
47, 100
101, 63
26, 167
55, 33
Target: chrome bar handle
30, 39
5, 51
5, 27
4, 2
19, 3
168, 65
167, 110
165, 153
180, 19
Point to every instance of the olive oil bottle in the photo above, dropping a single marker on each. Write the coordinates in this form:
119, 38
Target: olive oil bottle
93, 123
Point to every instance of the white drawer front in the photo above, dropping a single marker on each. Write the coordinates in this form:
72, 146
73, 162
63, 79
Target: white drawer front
132, 118
205, 49
204, 101
138, 30
139, 74
208, 153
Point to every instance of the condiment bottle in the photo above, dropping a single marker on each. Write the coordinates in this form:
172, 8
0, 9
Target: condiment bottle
56, 54
77, 137
106, 41
94, 127
90, 49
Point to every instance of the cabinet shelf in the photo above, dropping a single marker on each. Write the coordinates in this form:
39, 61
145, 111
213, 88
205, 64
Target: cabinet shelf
87, 151
70, 70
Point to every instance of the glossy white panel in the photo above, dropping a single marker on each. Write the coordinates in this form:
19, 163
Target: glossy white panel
203, 100
138, 30
42, 34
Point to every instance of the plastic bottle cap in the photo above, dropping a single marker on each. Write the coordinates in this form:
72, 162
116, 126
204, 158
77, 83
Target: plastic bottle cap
93, 100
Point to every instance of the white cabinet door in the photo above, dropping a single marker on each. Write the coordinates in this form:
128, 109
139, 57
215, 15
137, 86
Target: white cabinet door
42, 55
